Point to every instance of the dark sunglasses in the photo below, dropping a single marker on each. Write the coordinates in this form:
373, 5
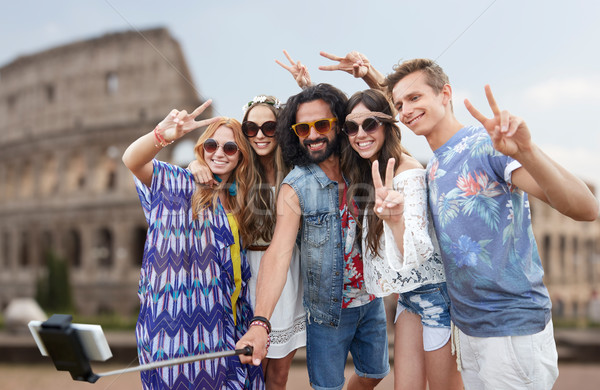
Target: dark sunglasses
322, 126
250, 128
210, 146
369, 125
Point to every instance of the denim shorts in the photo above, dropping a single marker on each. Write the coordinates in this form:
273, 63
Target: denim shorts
430, 302
362, 332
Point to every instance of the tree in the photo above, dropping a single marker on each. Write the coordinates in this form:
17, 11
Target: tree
54, 290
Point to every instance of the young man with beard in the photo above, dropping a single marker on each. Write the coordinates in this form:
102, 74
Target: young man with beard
312, 211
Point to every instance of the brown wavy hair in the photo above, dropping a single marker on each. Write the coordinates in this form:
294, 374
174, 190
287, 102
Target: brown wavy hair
358, 169
261, 199
244, 175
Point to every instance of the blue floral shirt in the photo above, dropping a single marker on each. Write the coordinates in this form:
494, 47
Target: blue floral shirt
483, 223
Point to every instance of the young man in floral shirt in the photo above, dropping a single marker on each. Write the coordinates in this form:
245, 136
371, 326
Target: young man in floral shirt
479, 180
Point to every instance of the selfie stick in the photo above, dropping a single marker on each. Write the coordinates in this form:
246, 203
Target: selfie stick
63, 344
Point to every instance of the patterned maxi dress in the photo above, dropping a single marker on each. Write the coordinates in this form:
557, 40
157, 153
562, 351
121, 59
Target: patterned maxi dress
185, 289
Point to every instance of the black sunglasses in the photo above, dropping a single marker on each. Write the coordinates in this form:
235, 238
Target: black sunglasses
250, 128
369, 125
210, 146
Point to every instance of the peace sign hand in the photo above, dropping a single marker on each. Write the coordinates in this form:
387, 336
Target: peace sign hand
389, 203
179, 123
510, 134
354, 63
298, 71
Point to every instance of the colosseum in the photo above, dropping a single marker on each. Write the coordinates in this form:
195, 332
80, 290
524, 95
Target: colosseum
66, 116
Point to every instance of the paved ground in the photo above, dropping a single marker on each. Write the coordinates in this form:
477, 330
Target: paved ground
574, 374
33, 377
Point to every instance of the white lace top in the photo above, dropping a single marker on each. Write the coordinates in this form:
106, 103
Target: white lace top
422, 262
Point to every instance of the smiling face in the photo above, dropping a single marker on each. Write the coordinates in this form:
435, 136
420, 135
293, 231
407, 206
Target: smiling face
262, 145
367, 145
319, 146
218, 162
420, 108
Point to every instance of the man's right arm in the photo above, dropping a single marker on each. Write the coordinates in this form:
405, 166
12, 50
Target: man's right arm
358, 65
272, 274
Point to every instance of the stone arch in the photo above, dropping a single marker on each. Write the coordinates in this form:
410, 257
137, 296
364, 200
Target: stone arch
26, 178
49, 178
112, 82
45, 247
104, 248
72, 247
5, 245
546, 251
24, 253
76, 172
10, 183
107, 169
139, 241
562, 256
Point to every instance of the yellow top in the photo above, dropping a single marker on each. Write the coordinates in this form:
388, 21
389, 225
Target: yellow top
237, 263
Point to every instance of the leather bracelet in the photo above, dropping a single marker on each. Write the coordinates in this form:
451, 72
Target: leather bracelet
262, 320
257, 247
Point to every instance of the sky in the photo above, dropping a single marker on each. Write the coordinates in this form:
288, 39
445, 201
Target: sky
539, 57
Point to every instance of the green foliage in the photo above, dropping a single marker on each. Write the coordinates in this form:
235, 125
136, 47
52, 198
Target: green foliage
54, 290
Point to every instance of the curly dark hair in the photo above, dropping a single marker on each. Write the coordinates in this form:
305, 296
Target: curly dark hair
293, 152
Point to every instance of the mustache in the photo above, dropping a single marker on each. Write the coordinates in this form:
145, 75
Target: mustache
307, 142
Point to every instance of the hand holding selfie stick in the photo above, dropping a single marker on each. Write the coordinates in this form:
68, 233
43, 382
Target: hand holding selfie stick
72, 346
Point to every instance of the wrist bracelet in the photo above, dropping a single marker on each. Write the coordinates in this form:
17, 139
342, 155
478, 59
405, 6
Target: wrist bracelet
264, 326
160, 139
264, 321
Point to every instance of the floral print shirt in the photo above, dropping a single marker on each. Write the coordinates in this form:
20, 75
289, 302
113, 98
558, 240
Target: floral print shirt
483, 223
354, 293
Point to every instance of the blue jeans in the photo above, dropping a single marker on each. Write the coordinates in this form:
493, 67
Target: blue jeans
431, 302
362, 332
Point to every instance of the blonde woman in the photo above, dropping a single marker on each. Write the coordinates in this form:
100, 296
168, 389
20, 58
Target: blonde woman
193, 287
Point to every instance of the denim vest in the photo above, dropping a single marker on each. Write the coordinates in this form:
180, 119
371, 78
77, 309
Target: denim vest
320, 243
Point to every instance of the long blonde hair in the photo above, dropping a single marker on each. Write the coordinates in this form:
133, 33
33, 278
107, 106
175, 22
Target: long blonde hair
244, 176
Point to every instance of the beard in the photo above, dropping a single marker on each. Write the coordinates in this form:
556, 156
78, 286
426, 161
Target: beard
332, 147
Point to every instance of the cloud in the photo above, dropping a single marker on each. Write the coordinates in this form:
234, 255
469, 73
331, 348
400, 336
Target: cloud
554, 92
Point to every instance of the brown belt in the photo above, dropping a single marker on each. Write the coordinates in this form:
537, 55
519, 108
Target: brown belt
257, 247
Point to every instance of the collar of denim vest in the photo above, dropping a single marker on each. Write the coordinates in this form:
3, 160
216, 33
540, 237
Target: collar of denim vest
321, 177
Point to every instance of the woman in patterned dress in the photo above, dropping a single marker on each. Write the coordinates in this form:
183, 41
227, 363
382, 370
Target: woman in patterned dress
193, 288
400, 256
288, 320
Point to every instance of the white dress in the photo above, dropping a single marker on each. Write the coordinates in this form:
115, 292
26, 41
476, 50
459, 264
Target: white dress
422, 262
288, 321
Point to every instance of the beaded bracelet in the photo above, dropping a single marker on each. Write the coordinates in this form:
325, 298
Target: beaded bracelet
160, 139
264, 326
261, 324
264, 321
